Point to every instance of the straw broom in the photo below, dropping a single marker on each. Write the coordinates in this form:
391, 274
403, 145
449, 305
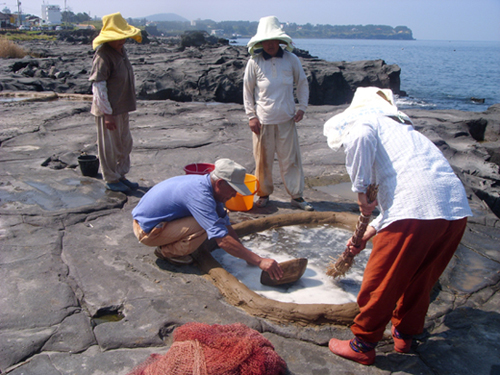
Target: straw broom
345, 261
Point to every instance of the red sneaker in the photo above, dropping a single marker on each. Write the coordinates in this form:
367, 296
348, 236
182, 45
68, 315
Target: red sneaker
343, 349
400, 345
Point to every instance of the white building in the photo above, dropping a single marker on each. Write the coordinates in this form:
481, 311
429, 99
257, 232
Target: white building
217, 32
51, 14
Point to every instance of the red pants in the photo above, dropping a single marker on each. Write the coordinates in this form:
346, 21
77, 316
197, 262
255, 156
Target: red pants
407, 259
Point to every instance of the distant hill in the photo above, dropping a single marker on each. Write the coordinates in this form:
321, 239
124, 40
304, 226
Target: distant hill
165, 17
169, 24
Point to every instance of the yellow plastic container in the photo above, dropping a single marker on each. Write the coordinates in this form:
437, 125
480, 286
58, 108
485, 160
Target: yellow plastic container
244, 202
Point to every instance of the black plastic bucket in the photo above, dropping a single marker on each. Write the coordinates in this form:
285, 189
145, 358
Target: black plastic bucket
89, 165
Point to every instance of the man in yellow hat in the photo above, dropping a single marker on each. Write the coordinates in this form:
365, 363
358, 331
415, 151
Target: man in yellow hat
268, 95
113, 91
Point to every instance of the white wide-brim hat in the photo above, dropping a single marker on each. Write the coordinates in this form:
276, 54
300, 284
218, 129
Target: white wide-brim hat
269, 29
367, 101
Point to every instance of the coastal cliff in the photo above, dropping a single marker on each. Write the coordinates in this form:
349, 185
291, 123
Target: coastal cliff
184, 70
246, 29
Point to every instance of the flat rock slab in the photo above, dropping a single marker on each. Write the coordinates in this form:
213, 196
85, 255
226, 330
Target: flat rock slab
80, 294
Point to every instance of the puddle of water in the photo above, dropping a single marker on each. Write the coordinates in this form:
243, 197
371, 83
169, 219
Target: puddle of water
23, 148
57, 196
107, 318
6, 99
342, 190
318, 244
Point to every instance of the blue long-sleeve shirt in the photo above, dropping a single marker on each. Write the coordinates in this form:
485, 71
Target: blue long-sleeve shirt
182, 196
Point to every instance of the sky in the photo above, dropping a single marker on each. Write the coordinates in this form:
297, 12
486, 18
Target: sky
428, 19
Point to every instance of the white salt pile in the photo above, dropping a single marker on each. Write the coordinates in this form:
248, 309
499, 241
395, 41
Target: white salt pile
316, 243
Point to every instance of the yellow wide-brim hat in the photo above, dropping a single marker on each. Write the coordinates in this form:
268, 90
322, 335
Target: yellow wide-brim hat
114, 27
269, 29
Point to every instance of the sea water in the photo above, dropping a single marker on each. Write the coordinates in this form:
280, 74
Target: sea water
434, 74
319, 244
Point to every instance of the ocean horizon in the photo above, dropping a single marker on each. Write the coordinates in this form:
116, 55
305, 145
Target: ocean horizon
435, 74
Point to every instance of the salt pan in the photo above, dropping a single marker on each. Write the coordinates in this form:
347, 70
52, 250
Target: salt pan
316, 243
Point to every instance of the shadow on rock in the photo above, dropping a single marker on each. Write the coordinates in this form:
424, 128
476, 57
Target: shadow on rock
188, 269
468, 338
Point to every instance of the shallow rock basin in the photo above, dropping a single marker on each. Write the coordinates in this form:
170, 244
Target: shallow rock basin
319, 244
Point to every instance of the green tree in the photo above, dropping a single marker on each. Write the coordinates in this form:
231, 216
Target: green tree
70, 17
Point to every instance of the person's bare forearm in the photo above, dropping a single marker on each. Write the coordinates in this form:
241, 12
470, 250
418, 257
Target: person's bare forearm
232, 245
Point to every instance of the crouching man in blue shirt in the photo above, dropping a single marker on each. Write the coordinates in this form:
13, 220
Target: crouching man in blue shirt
178, 214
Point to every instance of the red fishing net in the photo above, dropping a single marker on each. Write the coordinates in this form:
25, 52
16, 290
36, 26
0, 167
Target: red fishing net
202, 349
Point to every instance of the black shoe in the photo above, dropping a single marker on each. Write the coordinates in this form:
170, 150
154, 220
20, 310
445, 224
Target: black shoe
177, 261
129, 184
302, 204
117, 186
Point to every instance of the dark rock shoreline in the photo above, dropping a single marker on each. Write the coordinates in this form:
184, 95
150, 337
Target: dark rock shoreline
209, 73
80, 295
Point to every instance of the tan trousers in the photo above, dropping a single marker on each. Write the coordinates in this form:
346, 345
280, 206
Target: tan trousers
283, 140
406, 261
114, 148
175, 238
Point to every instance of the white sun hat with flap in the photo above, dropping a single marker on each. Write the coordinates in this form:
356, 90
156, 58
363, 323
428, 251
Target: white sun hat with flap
269, 29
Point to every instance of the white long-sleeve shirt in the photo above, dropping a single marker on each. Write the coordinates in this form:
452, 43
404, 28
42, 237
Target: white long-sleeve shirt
100, 98
415, 179
268, 88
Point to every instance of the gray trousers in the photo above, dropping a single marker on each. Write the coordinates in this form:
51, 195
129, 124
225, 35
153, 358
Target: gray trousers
114, 148
282, 140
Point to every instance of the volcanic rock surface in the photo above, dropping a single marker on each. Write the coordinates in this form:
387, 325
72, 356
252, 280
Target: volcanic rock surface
163, 70
79, 294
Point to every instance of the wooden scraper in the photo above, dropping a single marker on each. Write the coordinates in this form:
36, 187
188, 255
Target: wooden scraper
292, 271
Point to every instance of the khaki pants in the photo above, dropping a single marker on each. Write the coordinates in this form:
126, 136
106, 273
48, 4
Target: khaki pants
283, 140
406, 261
114, 148
175, 238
